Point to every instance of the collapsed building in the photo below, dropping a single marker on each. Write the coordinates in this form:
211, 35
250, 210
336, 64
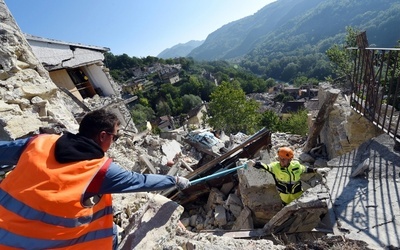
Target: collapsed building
237, 210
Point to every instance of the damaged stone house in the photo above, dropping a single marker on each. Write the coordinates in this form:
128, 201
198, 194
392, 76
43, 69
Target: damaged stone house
78, 70
291, 107
76, 67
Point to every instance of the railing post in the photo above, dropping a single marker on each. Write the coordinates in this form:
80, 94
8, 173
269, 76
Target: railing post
376, 87
396, 146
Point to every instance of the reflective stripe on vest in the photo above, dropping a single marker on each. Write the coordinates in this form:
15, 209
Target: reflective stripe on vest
10, 239
40, 202
11, 204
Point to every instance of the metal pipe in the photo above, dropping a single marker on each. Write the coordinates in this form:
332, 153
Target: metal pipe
218, 174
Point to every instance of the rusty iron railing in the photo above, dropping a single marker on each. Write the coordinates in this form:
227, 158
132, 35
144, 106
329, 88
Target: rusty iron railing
376, 87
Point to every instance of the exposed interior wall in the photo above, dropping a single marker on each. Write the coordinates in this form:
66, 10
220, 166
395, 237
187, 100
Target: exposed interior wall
99, 79
62, 79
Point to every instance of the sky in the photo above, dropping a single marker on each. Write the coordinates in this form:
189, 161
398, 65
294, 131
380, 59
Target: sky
138, 28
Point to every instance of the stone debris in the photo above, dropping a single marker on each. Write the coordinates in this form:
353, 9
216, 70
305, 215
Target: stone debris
301, 215
150, 222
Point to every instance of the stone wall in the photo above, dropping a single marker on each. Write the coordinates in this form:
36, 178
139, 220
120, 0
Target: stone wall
28, 97
345, 129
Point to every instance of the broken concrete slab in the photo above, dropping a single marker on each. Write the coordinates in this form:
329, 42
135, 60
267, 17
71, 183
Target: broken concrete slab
361, 168
301, 215
258, 193
234, 204
220, 216
171, 148
227, 188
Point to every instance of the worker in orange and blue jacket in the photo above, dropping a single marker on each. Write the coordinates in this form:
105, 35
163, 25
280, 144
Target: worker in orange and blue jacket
59, 193
287, 174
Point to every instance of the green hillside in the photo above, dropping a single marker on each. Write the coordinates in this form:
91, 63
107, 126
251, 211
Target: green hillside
289, 38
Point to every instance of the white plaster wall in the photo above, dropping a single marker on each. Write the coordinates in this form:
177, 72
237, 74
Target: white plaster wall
99, 79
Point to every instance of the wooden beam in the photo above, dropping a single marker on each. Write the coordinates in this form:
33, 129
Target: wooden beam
323, 114
148, 164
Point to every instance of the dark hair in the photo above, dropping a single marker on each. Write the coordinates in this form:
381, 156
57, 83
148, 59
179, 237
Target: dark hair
96, 121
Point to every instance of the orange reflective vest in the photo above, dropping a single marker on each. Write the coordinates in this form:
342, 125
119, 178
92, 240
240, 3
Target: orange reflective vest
41, 203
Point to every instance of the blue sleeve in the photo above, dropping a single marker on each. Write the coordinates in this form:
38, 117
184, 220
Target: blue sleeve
10, 151
119, 180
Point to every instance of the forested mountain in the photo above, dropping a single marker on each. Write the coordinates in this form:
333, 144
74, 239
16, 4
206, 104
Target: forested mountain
289, 24
180, 50
289, 38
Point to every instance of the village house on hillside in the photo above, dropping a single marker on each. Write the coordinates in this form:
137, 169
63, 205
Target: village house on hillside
309, 93
170, 76
291, 107
133, 86
195, 117
143, 80
165, 123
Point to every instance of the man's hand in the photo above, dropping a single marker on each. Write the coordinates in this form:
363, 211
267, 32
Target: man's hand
322, 171
255, 164
182, 182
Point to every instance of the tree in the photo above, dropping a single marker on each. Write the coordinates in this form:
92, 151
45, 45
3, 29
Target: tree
163, 108
340, 56
189, 102
168, 88
296, 123
290, 71
144, 101
270, 82
141, 114
231, 112
270, 120
175, 105
208, 88
283, 97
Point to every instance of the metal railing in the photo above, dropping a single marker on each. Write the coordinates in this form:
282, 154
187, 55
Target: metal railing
376, 87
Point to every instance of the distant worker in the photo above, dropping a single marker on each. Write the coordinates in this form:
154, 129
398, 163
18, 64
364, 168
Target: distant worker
287, 174
59, 193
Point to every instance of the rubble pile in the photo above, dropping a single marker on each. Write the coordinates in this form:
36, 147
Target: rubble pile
156, 225
245, 204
